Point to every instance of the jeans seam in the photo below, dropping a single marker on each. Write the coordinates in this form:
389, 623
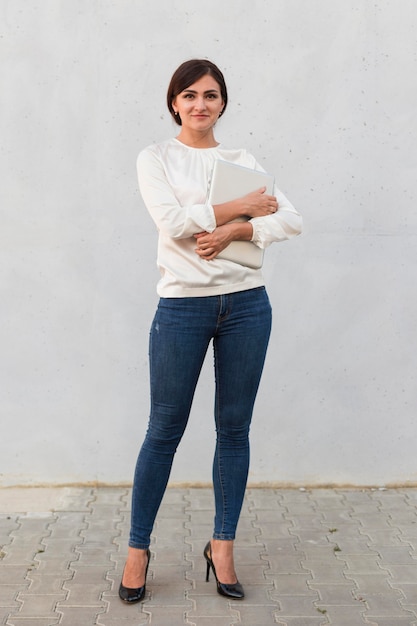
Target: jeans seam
219, 464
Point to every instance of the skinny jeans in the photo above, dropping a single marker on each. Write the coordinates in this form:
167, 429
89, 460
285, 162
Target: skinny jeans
239, 326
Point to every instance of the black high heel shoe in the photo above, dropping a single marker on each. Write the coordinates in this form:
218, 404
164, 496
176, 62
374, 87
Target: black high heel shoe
234, 591
136, 594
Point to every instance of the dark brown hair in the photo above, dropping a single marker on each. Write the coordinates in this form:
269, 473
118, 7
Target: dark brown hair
187, 74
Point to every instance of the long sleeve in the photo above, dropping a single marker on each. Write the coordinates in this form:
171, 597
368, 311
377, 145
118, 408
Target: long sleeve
282, 225
171, 213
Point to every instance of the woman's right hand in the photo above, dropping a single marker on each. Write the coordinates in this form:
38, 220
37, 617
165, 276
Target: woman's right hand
258, 204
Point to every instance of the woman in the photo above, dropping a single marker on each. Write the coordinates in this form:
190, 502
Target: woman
202, 299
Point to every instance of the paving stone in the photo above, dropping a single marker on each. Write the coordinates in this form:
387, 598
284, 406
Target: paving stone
284, 564
310, 537
196, 534
293, 585
354, 496
293, 495
132, 620
256, 615
90, 555
58, 545
408, 534
324, 572
370, 583
8, 524
259, 500
344, 615
302, 621
376, 520
362, 564
39, 582
306, 521
296, 509
299, 606
396, 555
276, 547
412, 608
47, 562
84, 594
385, 537
8, 594
409, 590
67, 525
118, 612
352, 546
38, 605
23, 555
258, 593
271, 530
339, 594
5, 613
328, 500
384, 604
392, 501
249, 555
31, 500
12, 574
174, 594
17, 621
387, 621
403, 573
212, 621
213, 605
202, 518
79, 616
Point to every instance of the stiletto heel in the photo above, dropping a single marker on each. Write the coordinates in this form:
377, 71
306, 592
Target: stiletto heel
137, 594
234, 591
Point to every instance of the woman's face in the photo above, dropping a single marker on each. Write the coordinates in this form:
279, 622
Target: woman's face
200, 105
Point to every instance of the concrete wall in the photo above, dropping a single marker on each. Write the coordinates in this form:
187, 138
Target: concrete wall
324, 94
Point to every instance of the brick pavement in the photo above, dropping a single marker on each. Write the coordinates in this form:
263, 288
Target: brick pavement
305, 558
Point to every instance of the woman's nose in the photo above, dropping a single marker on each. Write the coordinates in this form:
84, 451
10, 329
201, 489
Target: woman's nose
200, 103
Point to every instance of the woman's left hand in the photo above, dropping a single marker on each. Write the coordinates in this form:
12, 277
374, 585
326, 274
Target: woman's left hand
209, 245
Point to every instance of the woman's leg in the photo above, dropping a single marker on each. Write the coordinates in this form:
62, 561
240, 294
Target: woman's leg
240, 348
178, 344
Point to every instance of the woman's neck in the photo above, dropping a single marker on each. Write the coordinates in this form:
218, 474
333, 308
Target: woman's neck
197, 140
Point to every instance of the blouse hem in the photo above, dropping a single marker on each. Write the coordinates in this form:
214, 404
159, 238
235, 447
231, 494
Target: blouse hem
198, 292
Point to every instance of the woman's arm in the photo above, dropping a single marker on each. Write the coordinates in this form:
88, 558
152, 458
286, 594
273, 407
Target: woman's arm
169, 215
280, 225
254, 204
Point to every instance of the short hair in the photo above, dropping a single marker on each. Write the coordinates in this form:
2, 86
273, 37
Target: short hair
187, 74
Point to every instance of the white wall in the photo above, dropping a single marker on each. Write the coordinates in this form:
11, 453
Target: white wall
324, 93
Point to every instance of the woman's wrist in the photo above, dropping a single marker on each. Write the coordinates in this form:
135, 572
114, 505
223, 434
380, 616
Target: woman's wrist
242, 231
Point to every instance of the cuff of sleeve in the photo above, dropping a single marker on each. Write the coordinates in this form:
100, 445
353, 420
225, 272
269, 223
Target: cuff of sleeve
258, 236
207, 218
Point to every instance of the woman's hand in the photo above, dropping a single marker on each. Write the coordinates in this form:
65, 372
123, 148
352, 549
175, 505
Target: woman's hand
209, 245
259, 204
254, 204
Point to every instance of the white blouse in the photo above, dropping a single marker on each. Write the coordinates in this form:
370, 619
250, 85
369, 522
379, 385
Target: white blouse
173, 181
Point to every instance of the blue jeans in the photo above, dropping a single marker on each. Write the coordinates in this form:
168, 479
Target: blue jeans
239, 325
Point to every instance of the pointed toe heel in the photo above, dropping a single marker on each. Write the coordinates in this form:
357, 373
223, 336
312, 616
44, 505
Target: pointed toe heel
133, 595
233, 591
